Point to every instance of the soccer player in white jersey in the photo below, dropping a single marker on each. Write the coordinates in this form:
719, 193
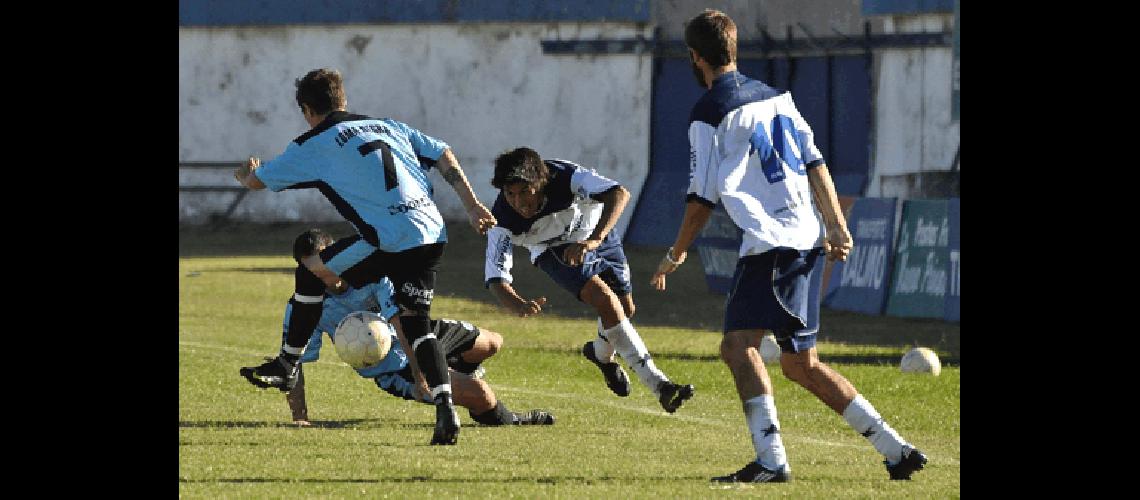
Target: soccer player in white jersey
564, 213
465, 347
752, 151
374, 172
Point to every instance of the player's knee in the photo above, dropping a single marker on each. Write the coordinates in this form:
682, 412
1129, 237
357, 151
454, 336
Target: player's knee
732, 349
797, 366
494, 342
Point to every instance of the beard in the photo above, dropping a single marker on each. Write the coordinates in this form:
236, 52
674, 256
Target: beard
698, 75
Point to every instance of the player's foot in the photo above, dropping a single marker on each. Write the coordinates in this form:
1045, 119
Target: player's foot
616, 378
912, 460
534, 417
275, 372
756, 473
446, 424
674, 395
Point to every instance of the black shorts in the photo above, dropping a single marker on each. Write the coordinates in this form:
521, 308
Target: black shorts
411, 271
455, 338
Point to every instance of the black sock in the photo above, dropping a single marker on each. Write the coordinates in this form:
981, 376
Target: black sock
499, 415
290, 358
428, 353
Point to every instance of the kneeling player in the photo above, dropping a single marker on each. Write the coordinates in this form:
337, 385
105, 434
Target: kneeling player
464, 345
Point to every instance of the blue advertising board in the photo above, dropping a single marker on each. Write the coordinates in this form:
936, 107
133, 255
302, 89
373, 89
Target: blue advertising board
719, 248
922, 261
954, 284
860, 284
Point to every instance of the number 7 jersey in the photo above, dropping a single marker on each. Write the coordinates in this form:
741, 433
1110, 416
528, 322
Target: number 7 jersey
750, 149
374, 172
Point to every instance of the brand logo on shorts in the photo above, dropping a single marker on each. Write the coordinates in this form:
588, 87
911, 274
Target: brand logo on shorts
421, 296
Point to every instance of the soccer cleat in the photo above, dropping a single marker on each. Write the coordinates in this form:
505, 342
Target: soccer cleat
534, 417
912, 460
275, 372
756, 473
446, 424
674, 395
616, 378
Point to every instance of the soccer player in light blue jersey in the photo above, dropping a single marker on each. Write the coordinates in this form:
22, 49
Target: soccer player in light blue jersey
752, 151
564, 213
374, 172
465, 347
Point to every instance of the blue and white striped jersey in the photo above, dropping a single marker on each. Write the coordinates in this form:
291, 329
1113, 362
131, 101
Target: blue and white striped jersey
373, 171
569, 214
750, 149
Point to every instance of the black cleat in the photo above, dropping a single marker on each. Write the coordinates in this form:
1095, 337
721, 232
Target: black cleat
275, 372
674, 395
756, 473
534, 417
446, 424
616, 378
912, 460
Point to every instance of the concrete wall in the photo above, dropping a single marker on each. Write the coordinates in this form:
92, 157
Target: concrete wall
819, 16
482, 87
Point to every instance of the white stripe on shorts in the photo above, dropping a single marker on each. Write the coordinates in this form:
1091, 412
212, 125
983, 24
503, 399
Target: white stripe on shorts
421, 339
308, 299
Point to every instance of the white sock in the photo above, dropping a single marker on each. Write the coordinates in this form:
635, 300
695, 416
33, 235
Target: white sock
603, 350
629, 346
760, 413
862, 417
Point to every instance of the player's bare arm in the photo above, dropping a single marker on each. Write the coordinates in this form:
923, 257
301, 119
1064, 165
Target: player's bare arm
478, 215
511, 300
331, 280
421, 385
838, 241
696, 216
613, 203
245, 174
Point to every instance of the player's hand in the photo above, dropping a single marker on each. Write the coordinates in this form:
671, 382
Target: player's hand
575, 253
526, 308
480, 218
421, 392
246, 169
666, 266
838, 244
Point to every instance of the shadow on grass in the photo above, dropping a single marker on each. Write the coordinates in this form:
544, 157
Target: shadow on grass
326, 424
686, 303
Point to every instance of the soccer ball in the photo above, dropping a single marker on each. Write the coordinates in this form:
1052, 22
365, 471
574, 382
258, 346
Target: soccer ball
769, 350
921, 360
362, 339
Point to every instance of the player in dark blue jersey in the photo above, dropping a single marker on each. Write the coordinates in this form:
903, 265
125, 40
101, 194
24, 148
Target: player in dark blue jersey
564, 213
752, 151
374, 172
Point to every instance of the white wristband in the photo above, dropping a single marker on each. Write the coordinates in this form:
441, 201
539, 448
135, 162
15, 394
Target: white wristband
669, 257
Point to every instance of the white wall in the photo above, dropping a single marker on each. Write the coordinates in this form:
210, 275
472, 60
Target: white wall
913, 128
483, 88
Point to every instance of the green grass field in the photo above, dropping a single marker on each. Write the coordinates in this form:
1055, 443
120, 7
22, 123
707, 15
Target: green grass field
237, 441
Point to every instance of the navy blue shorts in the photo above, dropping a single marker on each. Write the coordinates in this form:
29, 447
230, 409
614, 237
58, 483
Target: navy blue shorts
778, 290
607, 261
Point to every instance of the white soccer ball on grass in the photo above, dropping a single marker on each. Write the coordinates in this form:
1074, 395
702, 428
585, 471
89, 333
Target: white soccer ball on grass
921, 360
769, 350
362, 339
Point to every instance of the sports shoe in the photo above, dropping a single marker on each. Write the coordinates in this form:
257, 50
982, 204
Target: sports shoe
446, 424
616, 378
756, 473
534, 417
275, 372
912, 460
674, 395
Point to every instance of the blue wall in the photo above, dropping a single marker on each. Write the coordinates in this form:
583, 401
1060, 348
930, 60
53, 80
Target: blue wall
277, 12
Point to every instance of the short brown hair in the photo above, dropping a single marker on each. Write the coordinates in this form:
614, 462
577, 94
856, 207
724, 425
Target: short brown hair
520, 165
322, 89
713, 35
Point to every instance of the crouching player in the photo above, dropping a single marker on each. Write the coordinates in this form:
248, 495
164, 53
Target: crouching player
464, 346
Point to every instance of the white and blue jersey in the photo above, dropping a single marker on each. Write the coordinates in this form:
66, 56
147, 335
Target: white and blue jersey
374, 171
569, 214
751, 149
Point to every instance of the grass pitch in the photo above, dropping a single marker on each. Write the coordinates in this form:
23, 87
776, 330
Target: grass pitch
237, 441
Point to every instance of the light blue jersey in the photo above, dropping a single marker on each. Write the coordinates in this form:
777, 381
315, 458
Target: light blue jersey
374, 297
373, 171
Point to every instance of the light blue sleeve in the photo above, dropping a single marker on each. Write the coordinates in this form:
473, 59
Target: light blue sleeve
296, 165
424, 145
386, 298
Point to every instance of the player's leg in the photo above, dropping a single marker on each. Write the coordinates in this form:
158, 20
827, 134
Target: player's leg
296, 400
485, 408
413, 275
800, 363
751, 309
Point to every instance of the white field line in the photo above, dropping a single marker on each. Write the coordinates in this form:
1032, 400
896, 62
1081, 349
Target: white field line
636, 409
